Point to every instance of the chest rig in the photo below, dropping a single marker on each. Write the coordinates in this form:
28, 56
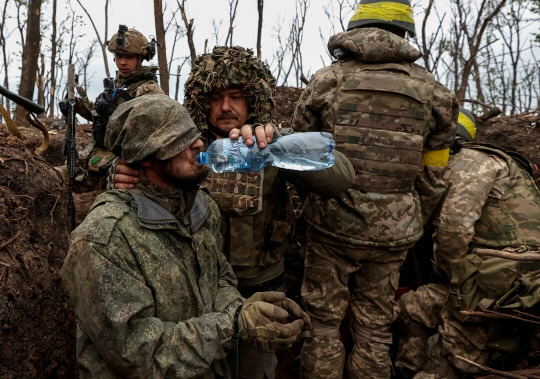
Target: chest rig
382, 116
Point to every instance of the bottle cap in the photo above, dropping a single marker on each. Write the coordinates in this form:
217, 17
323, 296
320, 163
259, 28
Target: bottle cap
202, 157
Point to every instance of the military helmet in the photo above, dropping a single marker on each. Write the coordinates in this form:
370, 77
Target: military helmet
466, 125
230, 67
394, 13
131, 41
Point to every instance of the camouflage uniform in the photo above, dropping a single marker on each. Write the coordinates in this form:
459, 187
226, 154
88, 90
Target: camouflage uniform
141, 82
392, 120
153, 294
256, 211
492, 202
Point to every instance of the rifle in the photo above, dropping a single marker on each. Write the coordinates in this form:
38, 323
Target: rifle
70, 147
99, 126
31, 108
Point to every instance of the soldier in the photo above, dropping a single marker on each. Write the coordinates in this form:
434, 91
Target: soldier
492, 202
395, 123
230, 92
152, 291
129, 48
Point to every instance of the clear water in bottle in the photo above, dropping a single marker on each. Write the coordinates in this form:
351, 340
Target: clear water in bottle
301, 151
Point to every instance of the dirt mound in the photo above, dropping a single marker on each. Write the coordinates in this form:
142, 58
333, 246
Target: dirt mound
286, 98
37, 326
519, 134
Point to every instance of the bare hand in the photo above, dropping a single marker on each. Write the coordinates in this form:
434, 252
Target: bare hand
264, 134
126, 177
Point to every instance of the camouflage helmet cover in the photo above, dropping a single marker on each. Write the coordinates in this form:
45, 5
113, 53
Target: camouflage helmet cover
134, 42
466, 125
225, 68
150, 126
394, 13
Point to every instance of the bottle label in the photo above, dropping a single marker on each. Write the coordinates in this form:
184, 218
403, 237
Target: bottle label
235, 155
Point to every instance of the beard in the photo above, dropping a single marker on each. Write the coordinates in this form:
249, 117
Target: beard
179, 179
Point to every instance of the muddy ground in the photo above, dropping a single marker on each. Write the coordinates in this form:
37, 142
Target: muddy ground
36, 323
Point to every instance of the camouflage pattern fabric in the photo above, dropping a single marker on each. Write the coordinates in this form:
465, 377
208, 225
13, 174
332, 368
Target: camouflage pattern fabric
373, 274
150, 126
496, 204
372, 227
137, 316
225, 68
487, 189
143, 81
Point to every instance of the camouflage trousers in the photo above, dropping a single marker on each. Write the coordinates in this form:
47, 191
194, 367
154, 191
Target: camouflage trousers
435, 337
365, 279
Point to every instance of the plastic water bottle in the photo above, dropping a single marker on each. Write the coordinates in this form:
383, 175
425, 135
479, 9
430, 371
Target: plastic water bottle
302, 151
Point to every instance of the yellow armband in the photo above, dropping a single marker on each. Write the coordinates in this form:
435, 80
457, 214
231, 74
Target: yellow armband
435, 158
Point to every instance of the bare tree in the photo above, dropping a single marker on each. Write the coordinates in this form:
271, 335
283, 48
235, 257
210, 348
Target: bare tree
474, 33
102, 42
189, 29
5, 56
53, 59
233, 6
260, 6
162, 49
30, 54
40, 80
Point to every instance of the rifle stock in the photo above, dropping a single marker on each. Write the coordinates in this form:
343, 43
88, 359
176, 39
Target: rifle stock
70, 147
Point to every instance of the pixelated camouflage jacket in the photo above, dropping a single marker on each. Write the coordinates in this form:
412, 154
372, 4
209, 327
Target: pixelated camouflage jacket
372, 218
141, 82
257, 212
492, 202
153, 294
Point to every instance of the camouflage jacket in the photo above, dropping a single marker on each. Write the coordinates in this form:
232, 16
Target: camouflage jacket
153, 294
492, 202
257, 213
141, 82
362, 216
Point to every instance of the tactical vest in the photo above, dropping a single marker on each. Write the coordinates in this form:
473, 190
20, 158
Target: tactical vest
514, 218
382, 116
143, 75
255, 229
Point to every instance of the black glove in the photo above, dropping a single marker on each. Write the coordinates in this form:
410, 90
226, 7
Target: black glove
105, 105
64, 107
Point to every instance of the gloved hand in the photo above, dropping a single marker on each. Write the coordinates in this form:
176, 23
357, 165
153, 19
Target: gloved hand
272, 321
64, 106
105, 105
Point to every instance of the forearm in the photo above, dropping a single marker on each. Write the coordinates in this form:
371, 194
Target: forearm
328, 182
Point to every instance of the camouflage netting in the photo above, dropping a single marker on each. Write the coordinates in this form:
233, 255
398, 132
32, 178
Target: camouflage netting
225, 68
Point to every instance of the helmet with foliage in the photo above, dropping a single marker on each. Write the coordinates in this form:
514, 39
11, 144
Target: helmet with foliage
131, 41
466, 125
226, 68
389, 15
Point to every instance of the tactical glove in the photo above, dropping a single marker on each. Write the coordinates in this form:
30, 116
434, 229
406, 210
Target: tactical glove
271, 321
105, 105
64, 106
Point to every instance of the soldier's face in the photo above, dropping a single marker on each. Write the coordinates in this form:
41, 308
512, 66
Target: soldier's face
228, 110
183, 169
126, 63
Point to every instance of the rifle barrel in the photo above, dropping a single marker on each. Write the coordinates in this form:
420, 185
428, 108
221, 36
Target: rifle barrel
29, 105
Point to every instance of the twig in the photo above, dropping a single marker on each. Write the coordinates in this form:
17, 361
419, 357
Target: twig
508, 255
527, 314
9, 241
54, 207
497, 372
496, 316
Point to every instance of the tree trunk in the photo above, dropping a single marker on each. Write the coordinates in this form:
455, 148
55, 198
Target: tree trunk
260, 5
41, 81
161, 48
4, 54
189, 30
30, 55
53, 60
